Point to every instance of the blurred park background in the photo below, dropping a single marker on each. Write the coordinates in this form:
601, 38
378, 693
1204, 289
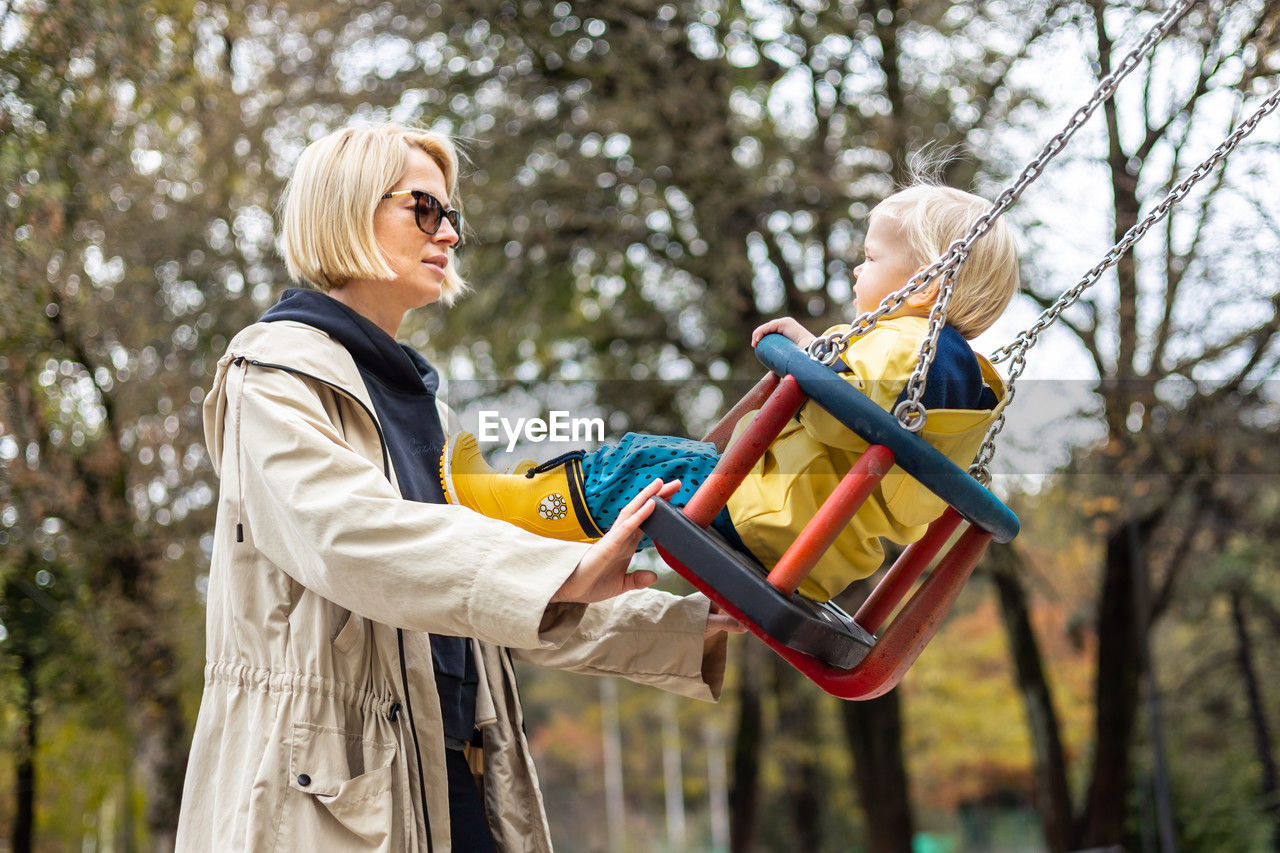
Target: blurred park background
647, 182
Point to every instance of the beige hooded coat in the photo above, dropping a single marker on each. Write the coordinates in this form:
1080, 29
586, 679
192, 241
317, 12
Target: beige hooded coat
320, 726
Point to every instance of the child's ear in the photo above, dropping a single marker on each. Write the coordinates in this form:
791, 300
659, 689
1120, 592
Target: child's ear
924, 298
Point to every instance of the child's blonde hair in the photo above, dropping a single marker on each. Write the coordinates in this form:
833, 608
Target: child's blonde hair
327, 235
933, 217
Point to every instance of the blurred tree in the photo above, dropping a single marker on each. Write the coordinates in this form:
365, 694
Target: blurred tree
1174, 373
25, 611
63, 420
48, 664
114, 159
1222, 663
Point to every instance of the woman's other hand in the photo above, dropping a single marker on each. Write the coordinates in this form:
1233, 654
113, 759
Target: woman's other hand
602, 571
718, 620
786, 326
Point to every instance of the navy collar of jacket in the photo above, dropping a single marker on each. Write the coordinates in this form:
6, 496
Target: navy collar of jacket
376, 353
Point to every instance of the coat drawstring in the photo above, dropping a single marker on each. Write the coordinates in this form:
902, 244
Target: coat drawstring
239, 439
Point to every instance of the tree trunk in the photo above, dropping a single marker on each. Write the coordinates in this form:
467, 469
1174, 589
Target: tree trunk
1161, 790
893, 128
161, 746
672, 774
874, 728
153, 694
614, 799
25, 772
717, 787
1053, 795
1116, 696
1270, 782
744, 795
801, 769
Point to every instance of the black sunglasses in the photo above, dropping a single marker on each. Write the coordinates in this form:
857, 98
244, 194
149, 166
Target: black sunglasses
428, 212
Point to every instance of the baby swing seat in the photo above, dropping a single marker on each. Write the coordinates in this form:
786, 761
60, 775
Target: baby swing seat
841, 654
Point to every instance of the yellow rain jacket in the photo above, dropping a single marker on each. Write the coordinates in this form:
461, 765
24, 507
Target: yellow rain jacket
804, 464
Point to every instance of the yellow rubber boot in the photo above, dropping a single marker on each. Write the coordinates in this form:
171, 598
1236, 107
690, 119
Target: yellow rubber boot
545, 499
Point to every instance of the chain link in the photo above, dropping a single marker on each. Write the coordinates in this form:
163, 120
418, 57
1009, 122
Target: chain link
828, 348
1016, 351
911, 413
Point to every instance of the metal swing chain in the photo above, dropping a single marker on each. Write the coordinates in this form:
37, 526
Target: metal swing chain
1016, 351
911, 413
826, 349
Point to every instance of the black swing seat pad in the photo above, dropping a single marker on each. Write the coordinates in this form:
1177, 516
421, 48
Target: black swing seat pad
819, 629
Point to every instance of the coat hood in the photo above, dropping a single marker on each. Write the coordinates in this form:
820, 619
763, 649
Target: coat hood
291, 344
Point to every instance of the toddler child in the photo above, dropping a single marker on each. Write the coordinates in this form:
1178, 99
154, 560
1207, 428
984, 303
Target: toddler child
578, 495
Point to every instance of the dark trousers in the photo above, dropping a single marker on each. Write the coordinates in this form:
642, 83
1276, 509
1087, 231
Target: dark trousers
469, 830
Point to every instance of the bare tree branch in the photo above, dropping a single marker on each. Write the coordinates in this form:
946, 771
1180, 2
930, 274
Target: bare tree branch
1264, 38
1087, 334
1156, 134
790, 288
1177, 264
1259, 337
989, 84
1183, 554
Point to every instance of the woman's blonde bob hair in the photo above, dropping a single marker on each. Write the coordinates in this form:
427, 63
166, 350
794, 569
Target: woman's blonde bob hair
932, 218
327, 209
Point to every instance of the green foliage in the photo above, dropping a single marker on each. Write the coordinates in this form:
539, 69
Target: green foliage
101, 452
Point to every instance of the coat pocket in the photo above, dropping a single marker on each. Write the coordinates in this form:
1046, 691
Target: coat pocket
349, 782
349, 634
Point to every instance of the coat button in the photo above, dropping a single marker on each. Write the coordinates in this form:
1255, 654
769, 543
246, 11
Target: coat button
304, 780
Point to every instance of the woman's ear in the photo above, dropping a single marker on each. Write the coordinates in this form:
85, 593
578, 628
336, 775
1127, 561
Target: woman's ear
924, 298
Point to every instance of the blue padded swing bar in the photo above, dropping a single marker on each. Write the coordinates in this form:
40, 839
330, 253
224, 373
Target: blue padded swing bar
873, 424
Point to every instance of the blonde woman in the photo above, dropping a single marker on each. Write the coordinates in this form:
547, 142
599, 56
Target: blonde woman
359, 691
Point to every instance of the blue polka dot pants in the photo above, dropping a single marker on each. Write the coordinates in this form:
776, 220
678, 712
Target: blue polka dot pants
613, 475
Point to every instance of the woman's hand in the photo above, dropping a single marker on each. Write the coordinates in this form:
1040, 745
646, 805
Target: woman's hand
790, 328
718, 620
602, 571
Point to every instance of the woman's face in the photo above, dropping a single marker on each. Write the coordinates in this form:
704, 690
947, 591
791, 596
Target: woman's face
418, 259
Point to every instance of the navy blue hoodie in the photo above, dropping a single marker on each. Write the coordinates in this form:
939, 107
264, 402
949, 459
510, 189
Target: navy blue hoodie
954, 379
402, 386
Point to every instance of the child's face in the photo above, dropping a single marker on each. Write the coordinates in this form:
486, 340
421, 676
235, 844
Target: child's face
887, 264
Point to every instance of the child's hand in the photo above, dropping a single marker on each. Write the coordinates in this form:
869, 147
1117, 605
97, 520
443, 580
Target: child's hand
794, 332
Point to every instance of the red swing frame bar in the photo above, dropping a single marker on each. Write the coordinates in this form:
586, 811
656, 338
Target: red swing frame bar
919, 618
